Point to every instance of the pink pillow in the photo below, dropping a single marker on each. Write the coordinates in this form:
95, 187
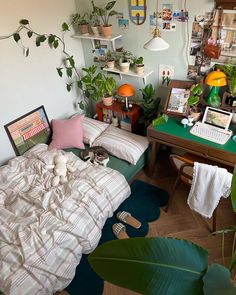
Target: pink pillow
67, 133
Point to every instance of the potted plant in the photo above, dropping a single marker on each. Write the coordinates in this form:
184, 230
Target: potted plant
126, 59
139, 65
97, 86
193, 101
82, 22
107, 88
94, 22
110, 59
150, 103
105, 14
230, 72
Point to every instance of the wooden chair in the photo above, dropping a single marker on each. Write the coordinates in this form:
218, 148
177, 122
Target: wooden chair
184, 168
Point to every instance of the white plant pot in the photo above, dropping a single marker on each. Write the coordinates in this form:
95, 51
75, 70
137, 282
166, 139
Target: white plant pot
139, 69
111, 64
96, 30
124, 67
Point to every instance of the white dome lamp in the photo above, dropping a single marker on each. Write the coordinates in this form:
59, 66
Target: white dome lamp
156, 43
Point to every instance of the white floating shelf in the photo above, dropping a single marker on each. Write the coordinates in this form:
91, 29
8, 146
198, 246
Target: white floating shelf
144, 76
101, 38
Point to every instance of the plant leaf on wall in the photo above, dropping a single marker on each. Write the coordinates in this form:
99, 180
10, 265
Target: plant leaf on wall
217, 281
152, 265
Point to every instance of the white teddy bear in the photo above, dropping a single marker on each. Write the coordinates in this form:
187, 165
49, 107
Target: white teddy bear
60, 169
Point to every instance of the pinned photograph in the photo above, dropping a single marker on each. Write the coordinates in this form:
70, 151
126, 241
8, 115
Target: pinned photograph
123, 23
180, 15
192, 72
100, 54
167, 12
167, 26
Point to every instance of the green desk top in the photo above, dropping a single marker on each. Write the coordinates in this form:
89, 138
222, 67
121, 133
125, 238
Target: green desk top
174, 127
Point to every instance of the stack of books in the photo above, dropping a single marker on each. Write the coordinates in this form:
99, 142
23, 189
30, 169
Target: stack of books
125, 123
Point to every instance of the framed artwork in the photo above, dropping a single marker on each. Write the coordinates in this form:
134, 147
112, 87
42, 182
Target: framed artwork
29, 130
176, 103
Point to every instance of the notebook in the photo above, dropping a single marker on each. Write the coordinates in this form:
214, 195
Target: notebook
214, 126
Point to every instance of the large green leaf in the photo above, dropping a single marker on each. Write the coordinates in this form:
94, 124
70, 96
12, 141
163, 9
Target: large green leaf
217, 281
152, 265
233, 190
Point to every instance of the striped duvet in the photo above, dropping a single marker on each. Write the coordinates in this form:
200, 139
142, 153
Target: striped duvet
43, 229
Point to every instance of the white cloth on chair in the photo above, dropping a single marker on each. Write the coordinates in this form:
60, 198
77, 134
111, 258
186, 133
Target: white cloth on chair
209, 184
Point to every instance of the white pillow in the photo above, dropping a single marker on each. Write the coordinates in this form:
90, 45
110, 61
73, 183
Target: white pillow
92, 129
122, 144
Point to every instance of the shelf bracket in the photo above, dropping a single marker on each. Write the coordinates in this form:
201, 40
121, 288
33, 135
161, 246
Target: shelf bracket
93, 44
113, 45
120, 76
144, 80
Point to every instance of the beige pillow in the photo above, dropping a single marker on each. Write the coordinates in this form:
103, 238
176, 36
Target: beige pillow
122, 144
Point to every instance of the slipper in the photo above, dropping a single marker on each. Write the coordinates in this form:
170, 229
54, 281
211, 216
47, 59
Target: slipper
126, 217
119, 231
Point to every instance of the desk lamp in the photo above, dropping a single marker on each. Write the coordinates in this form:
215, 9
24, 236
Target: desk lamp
215, 79
126, 90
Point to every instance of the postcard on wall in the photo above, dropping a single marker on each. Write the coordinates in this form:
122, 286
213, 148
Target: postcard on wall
167, 12
169, 26
192, 72
180, 15
123, 23
28, 130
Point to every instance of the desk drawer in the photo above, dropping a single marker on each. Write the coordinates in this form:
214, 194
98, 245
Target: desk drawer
224, 157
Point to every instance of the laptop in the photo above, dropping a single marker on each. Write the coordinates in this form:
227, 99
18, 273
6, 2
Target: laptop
214, 126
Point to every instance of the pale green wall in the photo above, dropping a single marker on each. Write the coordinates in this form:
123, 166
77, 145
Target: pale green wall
27, 83
136, 36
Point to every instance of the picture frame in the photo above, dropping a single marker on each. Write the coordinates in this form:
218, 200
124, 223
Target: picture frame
29, 130
178, 94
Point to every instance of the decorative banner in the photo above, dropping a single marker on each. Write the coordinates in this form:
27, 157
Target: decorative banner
137, 11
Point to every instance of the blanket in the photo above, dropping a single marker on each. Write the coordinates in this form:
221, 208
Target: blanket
44, 230
209, 184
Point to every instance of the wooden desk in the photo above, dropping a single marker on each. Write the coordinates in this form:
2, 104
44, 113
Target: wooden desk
173, 134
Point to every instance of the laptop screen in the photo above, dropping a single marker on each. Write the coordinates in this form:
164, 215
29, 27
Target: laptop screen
217, 117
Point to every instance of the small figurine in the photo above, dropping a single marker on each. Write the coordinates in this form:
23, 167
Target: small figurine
184, 122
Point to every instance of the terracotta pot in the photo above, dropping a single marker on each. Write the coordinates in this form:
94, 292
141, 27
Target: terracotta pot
111, 64
124, 67
84, 29
107, 101
107, 31
96, 30
139, 69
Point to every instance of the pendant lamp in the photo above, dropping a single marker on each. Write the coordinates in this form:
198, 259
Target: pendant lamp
156, 43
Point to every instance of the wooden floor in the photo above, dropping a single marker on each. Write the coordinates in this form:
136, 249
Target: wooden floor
181, 222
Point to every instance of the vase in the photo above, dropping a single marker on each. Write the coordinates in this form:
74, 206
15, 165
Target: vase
107, 31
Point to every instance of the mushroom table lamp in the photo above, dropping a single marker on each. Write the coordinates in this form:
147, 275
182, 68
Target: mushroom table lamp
215, 79
126, 90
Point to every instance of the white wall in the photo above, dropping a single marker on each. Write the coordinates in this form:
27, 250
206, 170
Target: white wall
27, 83
135, 37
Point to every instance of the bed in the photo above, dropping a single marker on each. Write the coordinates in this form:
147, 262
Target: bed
44, 230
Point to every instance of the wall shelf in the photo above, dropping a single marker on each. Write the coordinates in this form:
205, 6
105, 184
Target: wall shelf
101, 38
144, 76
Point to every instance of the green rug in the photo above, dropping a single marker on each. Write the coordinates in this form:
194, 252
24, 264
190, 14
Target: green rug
143, 204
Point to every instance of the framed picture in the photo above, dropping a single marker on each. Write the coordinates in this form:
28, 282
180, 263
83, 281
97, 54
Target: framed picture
178, 94
29, 130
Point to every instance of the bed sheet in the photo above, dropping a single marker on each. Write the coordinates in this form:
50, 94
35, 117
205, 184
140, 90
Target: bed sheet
44, 230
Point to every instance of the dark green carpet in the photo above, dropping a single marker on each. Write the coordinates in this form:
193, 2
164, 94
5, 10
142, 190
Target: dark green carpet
143, 204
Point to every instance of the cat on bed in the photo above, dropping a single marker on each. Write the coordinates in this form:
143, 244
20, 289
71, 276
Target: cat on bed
96, 155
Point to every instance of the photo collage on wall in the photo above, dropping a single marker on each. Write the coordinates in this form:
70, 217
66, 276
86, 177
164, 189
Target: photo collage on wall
199, 36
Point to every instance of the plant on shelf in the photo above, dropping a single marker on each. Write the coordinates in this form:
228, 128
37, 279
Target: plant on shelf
110, 59
105, 13
125, 59
94, 22
193, 101
82, 22
107, 88
139, 65
165, 265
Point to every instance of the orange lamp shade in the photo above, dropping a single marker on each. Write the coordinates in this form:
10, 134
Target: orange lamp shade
126, 90
216, 78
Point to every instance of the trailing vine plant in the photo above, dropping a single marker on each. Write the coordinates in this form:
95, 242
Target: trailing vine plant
67, 66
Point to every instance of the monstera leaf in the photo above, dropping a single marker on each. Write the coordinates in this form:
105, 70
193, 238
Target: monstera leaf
152, 265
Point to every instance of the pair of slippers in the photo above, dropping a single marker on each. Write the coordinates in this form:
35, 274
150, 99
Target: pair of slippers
119, 229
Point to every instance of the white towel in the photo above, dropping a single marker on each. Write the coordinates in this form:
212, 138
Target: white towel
209, 184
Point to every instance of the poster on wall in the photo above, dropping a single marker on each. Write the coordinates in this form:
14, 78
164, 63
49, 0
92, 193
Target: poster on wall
123, 23
196, 38
28, 130
166, 73
167, 12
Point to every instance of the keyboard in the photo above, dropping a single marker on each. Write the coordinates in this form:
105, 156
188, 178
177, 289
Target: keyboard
211, 133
